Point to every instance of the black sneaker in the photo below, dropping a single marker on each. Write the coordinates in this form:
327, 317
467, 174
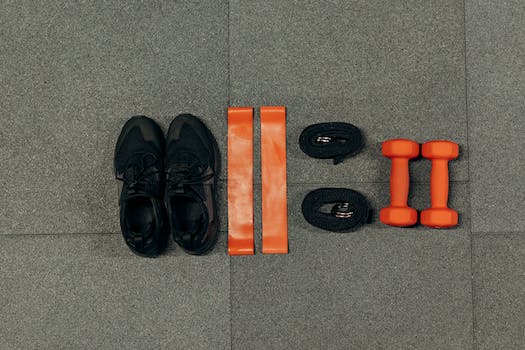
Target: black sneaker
192, 167
139, 163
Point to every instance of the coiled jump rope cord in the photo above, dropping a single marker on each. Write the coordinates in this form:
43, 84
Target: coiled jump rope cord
336, 209
335, 141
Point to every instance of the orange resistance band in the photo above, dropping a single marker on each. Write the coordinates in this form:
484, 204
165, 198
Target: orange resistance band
240, 181
273, 160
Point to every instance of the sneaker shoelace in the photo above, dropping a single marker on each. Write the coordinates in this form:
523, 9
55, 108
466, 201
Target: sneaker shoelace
139, 176
187, 170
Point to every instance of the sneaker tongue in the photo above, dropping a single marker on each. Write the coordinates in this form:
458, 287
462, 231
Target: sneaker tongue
139, 163
186, 169
187, 159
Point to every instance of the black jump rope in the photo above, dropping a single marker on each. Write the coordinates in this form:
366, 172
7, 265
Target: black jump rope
334, 209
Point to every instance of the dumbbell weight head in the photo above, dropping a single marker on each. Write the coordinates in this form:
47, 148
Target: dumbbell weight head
400, 148
398, 216
439, 217
440, 150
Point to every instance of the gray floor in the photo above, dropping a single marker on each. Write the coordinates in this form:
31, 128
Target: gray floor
71, 74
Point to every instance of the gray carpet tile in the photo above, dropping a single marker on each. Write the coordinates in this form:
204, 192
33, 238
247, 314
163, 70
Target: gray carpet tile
499, 291
72, 73
394, 69
496, 90
380, 287
90, 292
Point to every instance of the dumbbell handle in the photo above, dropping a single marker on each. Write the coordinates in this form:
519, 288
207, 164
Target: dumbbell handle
399, 182
439, 183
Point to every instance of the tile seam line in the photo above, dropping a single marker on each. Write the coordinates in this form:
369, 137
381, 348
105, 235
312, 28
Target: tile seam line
70, 234
228, 22
469, 185
502, 234
228, 90
225, 182
492, 234
59, 234
369, 182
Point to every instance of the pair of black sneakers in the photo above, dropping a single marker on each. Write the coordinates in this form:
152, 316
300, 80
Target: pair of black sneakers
169, 185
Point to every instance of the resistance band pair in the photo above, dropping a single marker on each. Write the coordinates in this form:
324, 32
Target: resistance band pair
240, 181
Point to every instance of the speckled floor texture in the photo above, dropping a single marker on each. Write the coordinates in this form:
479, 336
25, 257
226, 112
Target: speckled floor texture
71, 73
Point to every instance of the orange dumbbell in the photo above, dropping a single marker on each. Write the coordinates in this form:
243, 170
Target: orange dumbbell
439, 215
400, 151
